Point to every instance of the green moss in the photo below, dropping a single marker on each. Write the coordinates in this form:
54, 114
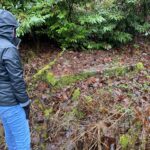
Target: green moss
139, 66
78, 114
123, 86
76, 94
125, 141
41, 71
48, 66
70, 79
48, 112
66, 80
116, 71
88, 99
123, 70
47, 77
50, 78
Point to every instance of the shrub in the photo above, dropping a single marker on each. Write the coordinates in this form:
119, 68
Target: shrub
85, 24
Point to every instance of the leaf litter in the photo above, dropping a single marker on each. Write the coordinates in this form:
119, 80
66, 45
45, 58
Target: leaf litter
101, 112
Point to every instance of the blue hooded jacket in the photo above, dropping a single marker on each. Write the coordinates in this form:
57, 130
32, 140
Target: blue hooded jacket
12, 85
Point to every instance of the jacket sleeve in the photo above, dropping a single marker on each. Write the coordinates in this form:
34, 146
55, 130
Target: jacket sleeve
13, 66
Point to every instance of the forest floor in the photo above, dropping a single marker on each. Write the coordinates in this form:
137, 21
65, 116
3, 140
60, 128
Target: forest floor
89, 100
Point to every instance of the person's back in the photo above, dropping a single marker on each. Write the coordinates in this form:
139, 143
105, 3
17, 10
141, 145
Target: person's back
6, 92
14, 101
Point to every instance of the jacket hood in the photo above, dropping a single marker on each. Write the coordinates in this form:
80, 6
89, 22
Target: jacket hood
7, 25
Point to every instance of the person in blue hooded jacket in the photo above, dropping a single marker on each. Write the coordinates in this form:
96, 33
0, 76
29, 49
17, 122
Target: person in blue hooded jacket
14, 100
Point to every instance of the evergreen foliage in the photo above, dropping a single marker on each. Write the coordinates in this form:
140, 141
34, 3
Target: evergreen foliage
86, 24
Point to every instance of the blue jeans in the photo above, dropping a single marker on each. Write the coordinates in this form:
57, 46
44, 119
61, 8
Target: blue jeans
16, 127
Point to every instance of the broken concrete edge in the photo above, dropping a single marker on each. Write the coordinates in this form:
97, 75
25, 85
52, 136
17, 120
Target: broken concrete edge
62, 81
48, 66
